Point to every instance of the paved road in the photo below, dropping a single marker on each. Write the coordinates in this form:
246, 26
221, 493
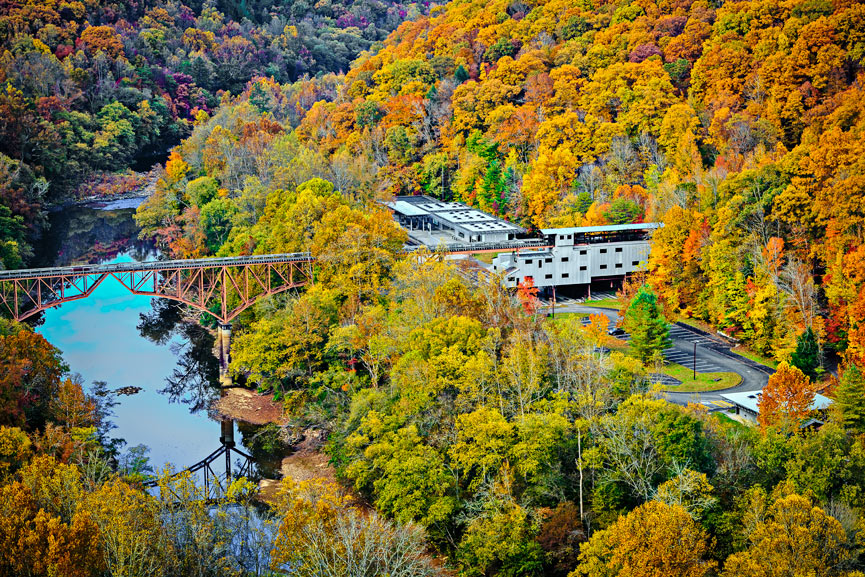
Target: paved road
712, 355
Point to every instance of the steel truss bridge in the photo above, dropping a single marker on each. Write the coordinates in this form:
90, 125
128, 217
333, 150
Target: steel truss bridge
215, 484
222, 287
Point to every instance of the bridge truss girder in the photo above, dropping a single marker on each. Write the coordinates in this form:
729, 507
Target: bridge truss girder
221, 290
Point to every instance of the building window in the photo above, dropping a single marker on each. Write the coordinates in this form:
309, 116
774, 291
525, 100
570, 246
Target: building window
569, 237
635, 263
564, 259
618, 265
510, 279
561, 237
603, 251
548, 276
540, 263
618, 249
564, 275
583, 268
529, 261
582, 252
548, 260
603, 267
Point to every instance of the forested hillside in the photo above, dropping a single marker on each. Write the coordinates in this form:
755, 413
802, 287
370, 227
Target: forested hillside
480, 430
88, 87
737, 126
511, 438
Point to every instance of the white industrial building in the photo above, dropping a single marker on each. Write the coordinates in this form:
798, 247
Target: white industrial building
463, 224
579, 255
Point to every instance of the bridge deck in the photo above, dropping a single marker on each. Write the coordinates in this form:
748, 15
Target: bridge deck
91, 269
87, 269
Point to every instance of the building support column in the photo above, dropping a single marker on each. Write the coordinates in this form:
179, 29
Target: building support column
223, 343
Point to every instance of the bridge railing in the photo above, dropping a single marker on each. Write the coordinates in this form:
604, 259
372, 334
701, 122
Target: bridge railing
154, 265
88, 269
481, 246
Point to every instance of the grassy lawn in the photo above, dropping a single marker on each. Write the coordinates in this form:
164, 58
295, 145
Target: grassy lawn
749, 354
603, 304
485, 257
562, 317
618, 345
698, 325
729, 421
705, 382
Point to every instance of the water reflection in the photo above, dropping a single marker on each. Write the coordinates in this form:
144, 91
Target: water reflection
197, 371
91, 235
173, 365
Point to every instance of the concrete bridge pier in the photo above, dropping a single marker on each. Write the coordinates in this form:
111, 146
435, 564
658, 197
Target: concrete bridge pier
223, 344
227, 440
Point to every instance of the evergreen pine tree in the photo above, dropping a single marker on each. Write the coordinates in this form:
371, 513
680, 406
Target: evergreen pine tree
650, 334
492, 185
460, 74
259, 98
806, 358
850, 399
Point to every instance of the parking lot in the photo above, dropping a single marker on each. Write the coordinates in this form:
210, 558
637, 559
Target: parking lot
675, 354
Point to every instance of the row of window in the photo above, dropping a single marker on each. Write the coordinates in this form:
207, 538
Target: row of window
565, 259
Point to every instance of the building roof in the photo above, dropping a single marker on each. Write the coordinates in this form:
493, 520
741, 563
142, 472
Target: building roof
406, 208
456, 214
750, 399
604, 228
491, 226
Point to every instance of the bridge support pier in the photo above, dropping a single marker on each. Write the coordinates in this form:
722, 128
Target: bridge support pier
227, 440
223, 343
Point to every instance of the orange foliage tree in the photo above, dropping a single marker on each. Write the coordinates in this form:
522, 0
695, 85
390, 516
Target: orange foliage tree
527, 293
786, 398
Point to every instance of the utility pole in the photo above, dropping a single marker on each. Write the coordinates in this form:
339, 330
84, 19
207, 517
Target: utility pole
554, 301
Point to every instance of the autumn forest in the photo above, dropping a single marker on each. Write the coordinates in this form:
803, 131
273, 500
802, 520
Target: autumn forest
468, 432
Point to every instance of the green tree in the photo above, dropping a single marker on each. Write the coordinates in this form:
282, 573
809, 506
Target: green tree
806, 357
500, 542
623, 211
460, 74
216, 218
644, 320
850, 399
202, 190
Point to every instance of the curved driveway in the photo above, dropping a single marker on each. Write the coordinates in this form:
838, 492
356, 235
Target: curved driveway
712, 356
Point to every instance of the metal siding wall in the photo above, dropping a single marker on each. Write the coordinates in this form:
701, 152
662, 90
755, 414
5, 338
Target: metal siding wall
592, 260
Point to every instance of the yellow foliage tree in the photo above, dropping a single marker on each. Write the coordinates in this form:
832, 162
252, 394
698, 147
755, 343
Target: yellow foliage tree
791, 537
653, 540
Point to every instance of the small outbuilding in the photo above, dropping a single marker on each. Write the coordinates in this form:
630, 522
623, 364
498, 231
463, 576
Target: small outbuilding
746, 404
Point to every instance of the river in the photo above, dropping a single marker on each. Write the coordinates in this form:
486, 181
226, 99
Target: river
133, 341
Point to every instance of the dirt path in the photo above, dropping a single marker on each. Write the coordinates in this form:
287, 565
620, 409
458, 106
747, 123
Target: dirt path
306, 463
245, 405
